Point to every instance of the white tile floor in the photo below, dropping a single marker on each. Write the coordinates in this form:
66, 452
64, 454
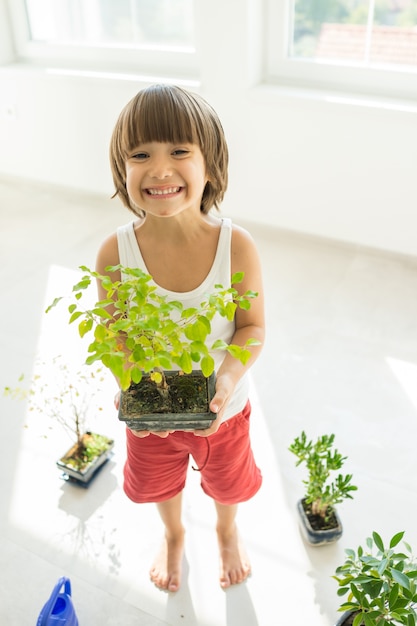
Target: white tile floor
341, 357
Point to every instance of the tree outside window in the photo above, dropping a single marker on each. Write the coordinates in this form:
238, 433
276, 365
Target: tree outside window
369, 32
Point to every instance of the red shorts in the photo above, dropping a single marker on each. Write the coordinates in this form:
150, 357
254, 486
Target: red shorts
156, 468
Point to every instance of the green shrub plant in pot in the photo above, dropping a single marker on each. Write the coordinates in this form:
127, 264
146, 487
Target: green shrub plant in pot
155, 347
66, 397
319, 520
380, 583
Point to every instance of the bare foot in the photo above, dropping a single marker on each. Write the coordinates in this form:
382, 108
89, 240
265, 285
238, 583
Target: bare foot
234, 562
165, 573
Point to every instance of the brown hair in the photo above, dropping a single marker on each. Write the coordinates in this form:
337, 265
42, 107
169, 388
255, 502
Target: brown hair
167, 113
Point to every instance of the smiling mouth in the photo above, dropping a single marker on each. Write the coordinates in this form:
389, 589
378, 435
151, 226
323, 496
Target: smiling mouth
163, 192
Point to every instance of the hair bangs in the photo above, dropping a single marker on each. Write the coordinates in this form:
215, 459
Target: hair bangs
161, 115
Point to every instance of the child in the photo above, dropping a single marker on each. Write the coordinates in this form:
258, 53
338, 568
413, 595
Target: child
169, 162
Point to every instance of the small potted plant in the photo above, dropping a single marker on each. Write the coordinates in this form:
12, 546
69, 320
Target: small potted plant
150, 344
66, 397
320, 522
380, 582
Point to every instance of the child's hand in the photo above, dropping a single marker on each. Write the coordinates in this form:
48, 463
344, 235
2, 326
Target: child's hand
145, 433
224, 390
209, 431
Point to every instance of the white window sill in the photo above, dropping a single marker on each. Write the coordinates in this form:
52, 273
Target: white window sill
268, 91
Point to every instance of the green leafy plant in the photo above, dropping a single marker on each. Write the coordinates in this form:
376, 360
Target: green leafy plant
136, 330
321, 460
380, 582
67, 397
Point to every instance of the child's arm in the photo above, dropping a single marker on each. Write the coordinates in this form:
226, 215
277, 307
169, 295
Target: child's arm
249, 324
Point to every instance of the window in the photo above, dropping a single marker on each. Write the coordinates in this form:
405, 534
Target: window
357, 45
134, 22
150, 34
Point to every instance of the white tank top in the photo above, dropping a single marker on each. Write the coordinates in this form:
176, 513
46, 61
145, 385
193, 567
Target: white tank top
220, 273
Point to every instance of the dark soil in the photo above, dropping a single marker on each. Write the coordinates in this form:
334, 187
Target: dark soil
317, 522
185, 393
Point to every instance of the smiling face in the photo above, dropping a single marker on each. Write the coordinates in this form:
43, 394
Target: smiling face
161, 115
165, 179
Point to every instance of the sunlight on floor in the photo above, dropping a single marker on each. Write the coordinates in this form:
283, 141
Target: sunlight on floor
406, 374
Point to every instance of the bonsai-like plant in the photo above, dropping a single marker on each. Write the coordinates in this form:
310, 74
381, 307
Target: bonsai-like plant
137, 331
321, 459
66, 397
380, 582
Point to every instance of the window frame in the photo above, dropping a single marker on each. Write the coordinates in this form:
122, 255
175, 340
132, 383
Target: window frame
169, 61
398, 82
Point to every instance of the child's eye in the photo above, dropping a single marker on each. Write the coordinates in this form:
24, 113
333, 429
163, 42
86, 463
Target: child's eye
180, 152
139, 156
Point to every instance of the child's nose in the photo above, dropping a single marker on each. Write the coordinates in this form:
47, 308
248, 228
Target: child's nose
160, 168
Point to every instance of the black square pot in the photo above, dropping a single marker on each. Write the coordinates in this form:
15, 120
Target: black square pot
318, 537
182, 405
85, 475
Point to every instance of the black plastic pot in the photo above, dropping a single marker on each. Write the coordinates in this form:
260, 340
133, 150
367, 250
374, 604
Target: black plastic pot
318, 537
344, 619
182, 404
85, 475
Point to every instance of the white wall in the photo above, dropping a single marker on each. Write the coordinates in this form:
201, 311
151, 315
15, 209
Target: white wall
316, 165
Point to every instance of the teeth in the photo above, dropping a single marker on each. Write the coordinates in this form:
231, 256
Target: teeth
162, 192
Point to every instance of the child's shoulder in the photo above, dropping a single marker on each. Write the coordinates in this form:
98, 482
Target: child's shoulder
241, 236
108, 252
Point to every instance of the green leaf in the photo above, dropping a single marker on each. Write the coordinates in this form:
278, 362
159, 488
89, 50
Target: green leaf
197, 331
358, 620
219, 344
378, 541
83, 284
245, 355
54, 303
396, 539
186, 363
245, 305
100, 332
237, 277
136, 374
392, 599
207, 365
125, 379
74, 316
400, 578
230, 310
85, 326
156, 377
342, 591
101, 312
188, 312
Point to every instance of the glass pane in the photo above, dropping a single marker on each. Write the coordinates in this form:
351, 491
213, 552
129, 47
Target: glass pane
123, 22
394, 33
364, 31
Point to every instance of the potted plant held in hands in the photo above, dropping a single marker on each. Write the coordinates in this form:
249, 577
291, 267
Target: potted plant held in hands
153, 345
380, 582
66, 398
320, 522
